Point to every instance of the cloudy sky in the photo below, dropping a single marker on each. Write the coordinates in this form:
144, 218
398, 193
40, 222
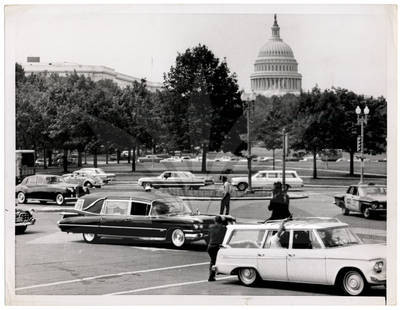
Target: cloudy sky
341, 46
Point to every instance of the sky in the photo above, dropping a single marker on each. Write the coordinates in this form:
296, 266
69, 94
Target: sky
342, 46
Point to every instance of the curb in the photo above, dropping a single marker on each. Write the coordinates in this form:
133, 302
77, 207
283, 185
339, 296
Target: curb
238, 198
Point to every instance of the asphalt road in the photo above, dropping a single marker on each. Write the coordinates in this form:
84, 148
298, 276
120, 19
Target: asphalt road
49, 262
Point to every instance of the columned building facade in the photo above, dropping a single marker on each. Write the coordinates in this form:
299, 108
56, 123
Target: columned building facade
276, 69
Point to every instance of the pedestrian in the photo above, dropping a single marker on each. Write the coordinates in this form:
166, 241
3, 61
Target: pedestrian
217, 234
279, 204
226, 196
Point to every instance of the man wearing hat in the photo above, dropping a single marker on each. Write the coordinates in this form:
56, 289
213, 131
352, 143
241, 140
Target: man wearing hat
216, 235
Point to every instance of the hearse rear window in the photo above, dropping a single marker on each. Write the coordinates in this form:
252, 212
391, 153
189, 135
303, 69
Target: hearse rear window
246, 238
116, 207
139, 208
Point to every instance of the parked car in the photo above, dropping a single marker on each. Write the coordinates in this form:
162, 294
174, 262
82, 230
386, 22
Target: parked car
173, 179
263, 158
223, 158
23, 219
83, 178
265, 179
138, 215
100, 173
45, 188
311, 250
149, 158
363, 198
173, 159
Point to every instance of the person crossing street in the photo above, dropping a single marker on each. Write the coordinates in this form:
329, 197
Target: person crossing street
217, 234
226, 196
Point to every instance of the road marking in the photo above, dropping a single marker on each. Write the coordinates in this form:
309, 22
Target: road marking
166, 286
110, 275
157, 249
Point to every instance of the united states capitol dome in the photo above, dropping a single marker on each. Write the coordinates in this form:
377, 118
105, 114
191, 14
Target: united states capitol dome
275, 68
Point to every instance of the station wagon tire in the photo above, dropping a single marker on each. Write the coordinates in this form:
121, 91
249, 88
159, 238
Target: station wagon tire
90, 238
60, 199
366, 212
345, 211
242, 186
21, 198
353, 283
177, 238
248, 276
20, 229
88, 184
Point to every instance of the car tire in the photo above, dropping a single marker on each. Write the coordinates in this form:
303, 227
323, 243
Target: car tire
345, 211
21, 198
242, 186
366, 213
88, 184
90, 238
60, 199
177, 238
248, 276
20, 229
352, 283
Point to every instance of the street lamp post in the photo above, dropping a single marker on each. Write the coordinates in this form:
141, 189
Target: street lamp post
362, 120
249, 99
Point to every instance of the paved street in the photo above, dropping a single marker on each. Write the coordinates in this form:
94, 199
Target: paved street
54, 263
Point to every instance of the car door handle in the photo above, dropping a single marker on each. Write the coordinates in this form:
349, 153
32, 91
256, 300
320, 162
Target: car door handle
260, 255
291, 255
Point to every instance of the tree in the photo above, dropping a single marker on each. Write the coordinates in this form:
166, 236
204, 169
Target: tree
203, 105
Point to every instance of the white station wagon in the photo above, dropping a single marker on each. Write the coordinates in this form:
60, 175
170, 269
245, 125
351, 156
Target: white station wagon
265, 179
311, 250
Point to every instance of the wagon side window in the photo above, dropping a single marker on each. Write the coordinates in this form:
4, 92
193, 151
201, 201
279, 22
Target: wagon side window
350, 190
246, 238
301, 239
139, 208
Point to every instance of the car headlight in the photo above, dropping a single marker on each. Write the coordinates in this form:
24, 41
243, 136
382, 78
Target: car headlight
378, 267
198, 226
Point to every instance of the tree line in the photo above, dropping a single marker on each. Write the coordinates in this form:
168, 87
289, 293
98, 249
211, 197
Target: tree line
199, 107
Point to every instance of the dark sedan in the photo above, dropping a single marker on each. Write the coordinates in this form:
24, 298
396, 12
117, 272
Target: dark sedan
139, 215
47, 188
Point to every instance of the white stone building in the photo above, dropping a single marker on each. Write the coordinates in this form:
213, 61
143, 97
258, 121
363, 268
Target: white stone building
275, 69
96, 73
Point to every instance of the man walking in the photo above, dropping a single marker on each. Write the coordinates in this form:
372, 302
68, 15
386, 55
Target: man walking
217, 234
226, 196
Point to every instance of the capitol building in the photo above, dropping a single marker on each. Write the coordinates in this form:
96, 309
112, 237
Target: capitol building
275, 69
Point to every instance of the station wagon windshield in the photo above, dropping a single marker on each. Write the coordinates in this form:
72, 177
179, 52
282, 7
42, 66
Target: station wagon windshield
338, 237
170, 207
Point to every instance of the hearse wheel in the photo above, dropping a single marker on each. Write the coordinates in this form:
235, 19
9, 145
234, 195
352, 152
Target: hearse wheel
177, 238
88, 184
352, 283
90, 238
248, 276
21, 198
242, 186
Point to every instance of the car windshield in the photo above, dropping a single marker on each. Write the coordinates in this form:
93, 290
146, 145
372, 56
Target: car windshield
170, 207
338, 237
372, 190
54, 180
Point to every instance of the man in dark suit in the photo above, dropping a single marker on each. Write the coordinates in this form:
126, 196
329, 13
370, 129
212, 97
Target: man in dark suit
217, 234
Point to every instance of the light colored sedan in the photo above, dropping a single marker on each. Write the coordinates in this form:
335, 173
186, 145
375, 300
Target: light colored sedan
173, 179
84, 178
265, 179
98, 172
310, 250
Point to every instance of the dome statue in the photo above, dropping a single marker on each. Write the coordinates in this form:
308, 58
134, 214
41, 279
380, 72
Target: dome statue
275, 69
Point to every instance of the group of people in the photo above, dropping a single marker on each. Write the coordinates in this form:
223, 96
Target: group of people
279, 205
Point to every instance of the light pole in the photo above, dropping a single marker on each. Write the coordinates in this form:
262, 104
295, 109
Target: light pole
362, 120
249, 99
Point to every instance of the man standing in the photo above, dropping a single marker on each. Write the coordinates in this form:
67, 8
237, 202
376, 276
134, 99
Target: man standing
217, 234
226, 196
279, 204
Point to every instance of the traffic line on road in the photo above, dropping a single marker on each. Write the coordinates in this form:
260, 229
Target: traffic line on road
109, 275
152, 249
166, 286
